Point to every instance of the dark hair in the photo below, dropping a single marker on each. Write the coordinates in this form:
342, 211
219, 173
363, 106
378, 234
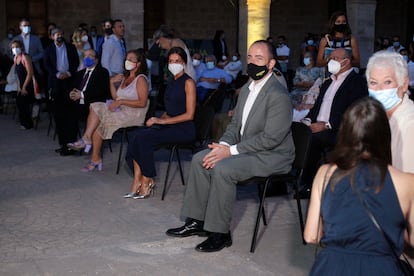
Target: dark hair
269, 46
179, 51
364, 137
163, 31
332, 20
218, 34
143, 68
107, 20
116, 21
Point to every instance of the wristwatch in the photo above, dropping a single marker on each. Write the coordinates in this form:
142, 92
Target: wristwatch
328, 125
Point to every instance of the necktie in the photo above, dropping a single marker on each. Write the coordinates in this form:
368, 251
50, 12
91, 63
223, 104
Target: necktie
121, 41
84, 80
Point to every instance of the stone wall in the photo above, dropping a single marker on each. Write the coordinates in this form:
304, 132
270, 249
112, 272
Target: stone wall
68, 13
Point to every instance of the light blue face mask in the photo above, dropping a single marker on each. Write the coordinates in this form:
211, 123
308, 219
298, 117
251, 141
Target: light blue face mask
388, 97
306, 61
210, 65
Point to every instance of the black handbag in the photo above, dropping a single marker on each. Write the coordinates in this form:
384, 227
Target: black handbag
404, 264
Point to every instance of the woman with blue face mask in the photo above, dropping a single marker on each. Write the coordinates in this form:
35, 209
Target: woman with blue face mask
387, 77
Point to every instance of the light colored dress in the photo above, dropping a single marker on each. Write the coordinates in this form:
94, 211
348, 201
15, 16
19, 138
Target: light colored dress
125, 116
402, 133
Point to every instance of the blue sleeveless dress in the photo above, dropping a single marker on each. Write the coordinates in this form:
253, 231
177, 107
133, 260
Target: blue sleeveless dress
353, 245
144, 141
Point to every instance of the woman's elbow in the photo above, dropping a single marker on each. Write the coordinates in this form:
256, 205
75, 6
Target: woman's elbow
310, 239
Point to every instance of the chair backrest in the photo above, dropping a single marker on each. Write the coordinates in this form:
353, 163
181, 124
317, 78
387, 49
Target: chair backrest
203, 119
216, 98
302, 136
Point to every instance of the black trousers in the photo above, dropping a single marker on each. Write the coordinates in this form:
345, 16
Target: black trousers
321, 143
65, 112
24, 104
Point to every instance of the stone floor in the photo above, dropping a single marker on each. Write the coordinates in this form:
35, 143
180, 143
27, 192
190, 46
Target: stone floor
57, 220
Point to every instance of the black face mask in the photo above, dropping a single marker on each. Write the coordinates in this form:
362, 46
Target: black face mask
59, 39
108, 31
340, 28
256, 72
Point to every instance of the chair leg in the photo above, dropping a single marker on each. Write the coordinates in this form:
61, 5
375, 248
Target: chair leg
110, 145
123, 136
260, 191
180, 167
259, 213
302, 225
173, 150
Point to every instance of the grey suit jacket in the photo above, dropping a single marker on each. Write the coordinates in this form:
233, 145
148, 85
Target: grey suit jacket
35, 50
267, 133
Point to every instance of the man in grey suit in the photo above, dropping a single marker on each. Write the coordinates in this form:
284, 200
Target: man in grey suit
257, 142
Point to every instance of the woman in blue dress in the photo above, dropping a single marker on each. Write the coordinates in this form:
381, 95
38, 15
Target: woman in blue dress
174, 126
360, 165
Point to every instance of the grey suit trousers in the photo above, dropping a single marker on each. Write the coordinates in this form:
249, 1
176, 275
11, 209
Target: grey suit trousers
210, 194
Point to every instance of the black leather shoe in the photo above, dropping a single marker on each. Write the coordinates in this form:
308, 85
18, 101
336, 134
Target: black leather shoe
67, 151
190, 228
304, 193
215, 242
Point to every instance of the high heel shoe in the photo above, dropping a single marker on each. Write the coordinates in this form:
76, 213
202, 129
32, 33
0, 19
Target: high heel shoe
92, 166
80, 144
148, 193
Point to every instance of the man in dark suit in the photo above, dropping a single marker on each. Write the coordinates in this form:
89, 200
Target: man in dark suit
91, 84
257, 142
61, 61
336, 94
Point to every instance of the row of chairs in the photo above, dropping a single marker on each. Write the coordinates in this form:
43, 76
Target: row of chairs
203, 118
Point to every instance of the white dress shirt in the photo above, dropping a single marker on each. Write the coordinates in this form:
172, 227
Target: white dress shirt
325, 110
255, 88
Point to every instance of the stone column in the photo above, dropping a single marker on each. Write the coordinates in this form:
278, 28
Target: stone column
361, 16
254, 18
132, 14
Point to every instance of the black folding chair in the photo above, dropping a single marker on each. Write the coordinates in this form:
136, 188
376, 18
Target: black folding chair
301, 137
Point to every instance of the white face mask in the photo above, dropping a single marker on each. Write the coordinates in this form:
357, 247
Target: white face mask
129, 65
16, 51
234, 58
196, 62
175, 68
224, 58
84, 38
334, 66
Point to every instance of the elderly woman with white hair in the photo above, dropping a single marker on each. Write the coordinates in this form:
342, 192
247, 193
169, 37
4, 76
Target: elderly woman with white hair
387, 77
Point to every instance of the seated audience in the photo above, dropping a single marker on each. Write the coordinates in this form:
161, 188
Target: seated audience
336, 95
257, 141
358, 181
304, 85
234, 67
128, 108
387, 77
91, 84
211, 78
174, 126
199, 65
